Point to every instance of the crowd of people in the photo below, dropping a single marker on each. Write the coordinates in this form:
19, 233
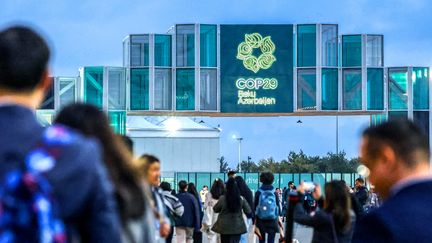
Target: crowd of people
77, 181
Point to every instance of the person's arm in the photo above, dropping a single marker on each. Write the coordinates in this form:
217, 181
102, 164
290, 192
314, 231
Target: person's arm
301, 217
256, 201
197, 215
245, 206
218, 207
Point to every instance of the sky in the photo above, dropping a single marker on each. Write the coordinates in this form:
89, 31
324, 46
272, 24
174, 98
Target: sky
89, 33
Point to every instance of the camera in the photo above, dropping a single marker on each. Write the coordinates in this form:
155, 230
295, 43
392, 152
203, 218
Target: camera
309, 186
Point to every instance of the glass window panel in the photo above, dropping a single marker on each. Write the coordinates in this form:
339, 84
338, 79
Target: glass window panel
208, 45
162, 50
306, 45
352, 89
93, 86
139, 89
208, 89
116, 89
185, 89
398, 85
397, 115
306, 89
329, 89
67, 91
48, 102
163, 89
375, 89
329, 45
126, 44
118, 121
185, 45
374, 51
351, 51
421, 118
139, 49
420, 80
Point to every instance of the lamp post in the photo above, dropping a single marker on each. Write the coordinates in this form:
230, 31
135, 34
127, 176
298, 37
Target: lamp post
337, 136
239, 139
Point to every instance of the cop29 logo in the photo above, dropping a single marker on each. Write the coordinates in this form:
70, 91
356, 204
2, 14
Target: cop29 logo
255, 41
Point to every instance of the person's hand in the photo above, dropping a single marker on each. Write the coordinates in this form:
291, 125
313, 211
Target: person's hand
164, 230
317, 192
301, 188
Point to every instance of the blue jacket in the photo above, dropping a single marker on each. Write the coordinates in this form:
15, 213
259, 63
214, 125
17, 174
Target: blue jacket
406, 216
79, 181
191, 213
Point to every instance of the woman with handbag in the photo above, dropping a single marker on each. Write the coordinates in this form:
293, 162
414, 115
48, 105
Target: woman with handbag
334, 223
230, 223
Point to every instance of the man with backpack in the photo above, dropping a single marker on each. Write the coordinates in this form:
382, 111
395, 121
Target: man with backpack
53, 186
266, 209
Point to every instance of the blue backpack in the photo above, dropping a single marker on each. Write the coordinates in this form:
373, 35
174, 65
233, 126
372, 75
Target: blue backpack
267, 208
28, 212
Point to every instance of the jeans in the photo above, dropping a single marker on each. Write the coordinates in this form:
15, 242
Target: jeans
184, 234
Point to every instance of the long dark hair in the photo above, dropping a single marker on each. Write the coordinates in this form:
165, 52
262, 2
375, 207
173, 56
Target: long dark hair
217, 189
232, 196
192, 190
338, 203
245, 191
92, 122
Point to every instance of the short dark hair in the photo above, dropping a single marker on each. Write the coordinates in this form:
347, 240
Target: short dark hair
24, 57
290, 183
165, 186
231, 173
267, 178
182, 185
407, 140
360, 180
128, 142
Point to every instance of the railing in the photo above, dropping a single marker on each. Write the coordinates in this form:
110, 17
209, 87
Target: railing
252, 179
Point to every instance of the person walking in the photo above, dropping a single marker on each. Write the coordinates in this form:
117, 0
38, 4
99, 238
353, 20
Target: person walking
397, 155
81, 191
335, 222
361, 192
231, 206
118, 161
266, 209
210, 217
174, 206
189, 222
197, 235
246, 193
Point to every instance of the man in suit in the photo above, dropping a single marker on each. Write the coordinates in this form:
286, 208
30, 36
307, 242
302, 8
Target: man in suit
79, 180
397, 155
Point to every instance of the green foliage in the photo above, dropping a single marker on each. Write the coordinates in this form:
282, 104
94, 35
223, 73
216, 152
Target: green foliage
301, 163
223, 165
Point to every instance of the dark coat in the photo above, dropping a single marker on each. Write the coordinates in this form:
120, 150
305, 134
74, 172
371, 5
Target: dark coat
79, 179
191, 213
362, 195
229, 223
321, 222
405, 217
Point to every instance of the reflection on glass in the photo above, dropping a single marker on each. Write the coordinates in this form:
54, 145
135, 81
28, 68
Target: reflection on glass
420, 80
306, 45
93, 86
351, 51
375, 89
139, 89
398, 86
185, 89
329, 45
306, 89
139, 48
116, 90
207, 45
163, 89
185, 45
162, 50
208, 89
374, 49
329, 89
352, 89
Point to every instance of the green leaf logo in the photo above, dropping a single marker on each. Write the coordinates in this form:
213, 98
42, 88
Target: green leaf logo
255, 41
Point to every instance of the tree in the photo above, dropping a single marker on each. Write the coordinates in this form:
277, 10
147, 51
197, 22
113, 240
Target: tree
249, 166
223, 165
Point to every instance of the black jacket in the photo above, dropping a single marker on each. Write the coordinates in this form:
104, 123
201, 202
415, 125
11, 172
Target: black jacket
404, 217
191, 213
362, 195
322, 224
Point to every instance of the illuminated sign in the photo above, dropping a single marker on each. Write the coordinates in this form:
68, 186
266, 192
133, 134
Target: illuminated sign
256, 68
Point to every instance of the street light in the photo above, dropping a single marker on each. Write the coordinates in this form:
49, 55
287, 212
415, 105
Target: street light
239, 139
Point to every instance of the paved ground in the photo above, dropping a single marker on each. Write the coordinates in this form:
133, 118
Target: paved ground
301, 233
